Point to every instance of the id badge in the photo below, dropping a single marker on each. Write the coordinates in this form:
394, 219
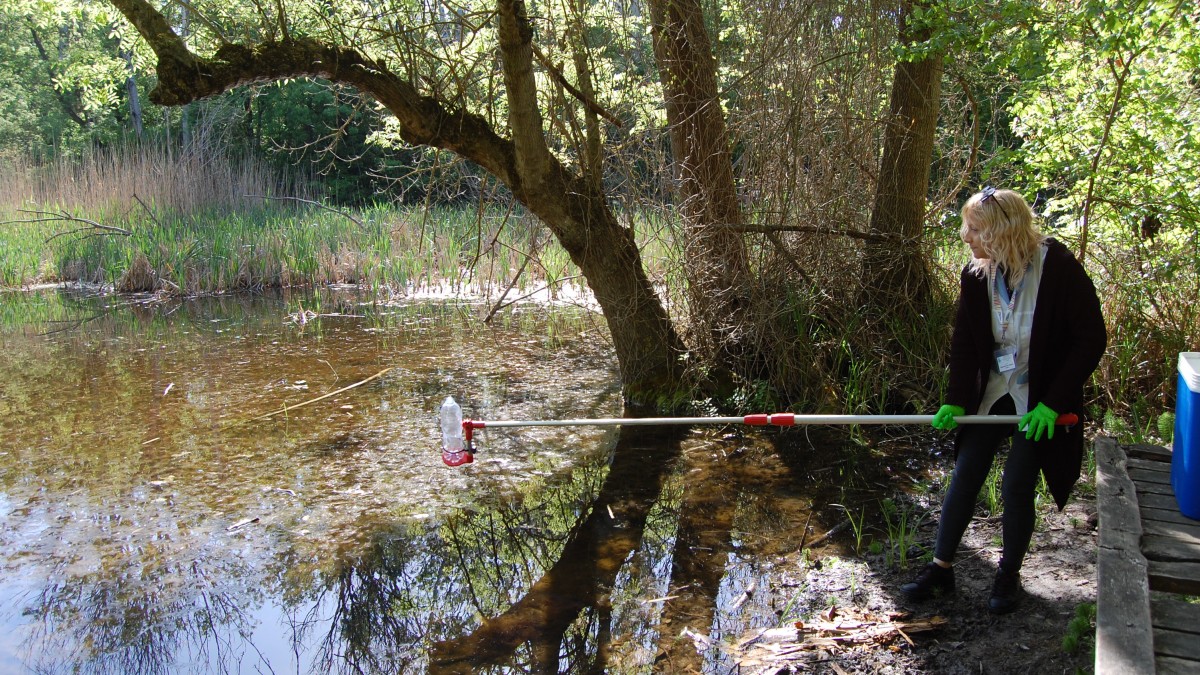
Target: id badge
1006, 359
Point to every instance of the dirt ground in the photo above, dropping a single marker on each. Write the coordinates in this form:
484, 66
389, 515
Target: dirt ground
871, 628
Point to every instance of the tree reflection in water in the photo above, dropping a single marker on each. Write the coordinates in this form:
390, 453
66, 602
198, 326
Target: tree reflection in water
582, 577
606, 568
629, 552
143, 619
393, 604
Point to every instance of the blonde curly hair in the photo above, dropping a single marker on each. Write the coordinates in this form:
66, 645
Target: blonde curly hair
1006, 232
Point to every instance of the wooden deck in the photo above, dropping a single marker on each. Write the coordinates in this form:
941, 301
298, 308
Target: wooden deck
1147, 566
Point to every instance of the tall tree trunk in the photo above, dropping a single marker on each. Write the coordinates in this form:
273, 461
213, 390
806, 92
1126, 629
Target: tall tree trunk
648, 348
740, 328
896, 274
715, 258
185, 128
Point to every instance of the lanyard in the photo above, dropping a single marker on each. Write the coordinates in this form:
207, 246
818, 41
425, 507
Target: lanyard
998, 286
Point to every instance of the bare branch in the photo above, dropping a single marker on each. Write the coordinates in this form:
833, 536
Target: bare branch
853, 234
49, 217
792, 261
949, 196
148, 210
557, 75
68, 107
289, 408
319, 205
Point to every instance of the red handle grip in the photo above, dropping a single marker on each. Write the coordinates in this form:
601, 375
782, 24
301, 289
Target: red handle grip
1067, 420
777, 419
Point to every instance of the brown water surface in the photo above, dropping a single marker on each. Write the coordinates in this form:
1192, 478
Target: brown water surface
149, 524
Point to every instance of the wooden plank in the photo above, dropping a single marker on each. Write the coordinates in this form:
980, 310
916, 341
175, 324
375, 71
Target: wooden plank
1116, 499
1177, 644
1152, 488
1165, 515
1175, 614
1149, 476
1169, 665
1124, 642
1156, 501
1174, 577
1186, 532
1143, 451
1160, 463
1148, 465
1169, 549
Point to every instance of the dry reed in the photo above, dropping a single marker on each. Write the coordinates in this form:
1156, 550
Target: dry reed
115, 180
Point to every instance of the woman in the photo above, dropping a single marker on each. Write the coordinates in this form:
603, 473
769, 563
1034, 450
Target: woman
1027, 335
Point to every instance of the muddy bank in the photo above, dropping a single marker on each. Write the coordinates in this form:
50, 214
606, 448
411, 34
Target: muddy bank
852, 619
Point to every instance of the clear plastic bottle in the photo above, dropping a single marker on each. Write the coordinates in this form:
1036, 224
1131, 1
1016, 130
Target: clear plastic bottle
452, 432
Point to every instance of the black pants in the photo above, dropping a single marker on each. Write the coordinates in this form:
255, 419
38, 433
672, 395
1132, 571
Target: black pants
977, 446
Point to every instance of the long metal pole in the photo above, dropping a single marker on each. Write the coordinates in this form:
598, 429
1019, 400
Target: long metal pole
465, 455
776, 419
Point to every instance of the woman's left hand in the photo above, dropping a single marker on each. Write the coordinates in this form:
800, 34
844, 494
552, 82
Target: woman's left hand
1038, 422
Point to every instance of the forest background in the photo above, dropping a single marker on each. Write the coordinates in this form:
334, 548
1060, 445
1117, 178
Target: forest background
761, 196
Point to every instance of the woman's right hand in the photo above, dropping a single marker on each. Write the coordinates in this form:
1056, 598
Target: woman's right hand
943, 419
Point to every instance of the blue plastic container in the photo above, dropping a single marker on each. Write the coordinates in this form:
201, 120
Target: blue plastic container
1185, 455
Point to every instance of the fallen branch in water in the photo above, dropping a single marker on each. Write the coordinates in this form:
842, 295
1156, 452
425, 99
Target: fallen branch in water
830, 534
332, 393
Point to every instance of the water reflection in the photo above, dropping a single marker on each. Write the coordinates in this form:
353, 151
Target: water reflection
581, 576
147, 526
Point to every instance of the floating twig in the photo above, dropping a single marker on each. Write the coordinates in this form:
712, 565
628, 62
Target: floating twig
319, 398
240, 524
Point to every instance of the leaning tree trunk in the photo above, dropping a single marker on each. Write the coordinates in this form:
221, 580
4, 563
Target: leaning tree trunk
647, 346
896, 275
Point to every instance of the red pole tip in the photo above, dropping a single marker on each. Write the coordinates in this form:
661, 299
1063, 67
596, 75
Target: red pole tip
1067, 420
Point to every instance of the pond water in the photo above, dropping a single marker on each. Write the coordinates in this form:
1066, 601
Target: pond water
150, 523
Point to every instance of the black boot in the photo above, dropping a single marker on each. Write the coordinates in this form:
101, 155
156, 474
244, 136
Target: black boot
1006, 592
933, 579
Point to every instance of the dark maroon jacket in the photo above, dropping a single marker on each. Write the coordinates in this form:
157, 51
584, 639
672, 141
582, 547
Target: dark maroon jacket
1065, 346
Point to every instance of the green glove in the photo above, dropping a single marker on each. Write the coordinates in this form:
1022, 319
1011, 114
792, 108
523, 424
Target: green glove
944, 418
1038, 421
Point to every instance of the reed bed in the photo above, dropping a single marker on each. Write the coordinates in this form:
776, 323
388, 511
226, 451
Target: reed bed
189, 223
206, 252
113, 182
